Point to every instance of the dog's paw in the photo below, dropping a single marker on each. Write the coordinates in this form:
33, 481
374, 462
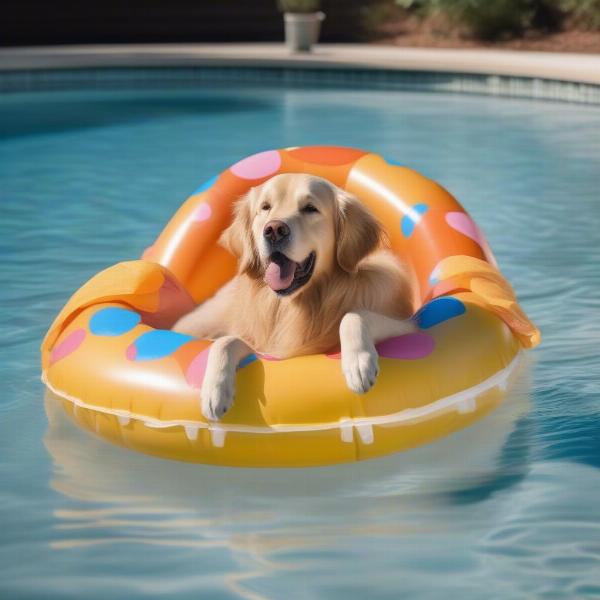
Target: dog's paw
360, 368
217, 397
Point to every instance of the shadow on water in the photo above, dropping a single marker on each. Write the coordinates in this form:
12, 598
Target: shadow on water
55, 114
511, 468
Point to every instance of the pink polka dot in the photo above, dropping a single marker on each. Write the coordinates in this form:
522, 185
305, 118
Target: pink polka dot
407, 347
465, 225
202, 213
68, 345
148, 252
131, 352
195, 372
267, 357
334, 354
258, 165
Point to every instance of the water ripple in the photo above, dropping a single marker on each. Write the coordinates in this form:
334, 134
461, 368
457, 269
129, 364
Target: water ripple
506, 509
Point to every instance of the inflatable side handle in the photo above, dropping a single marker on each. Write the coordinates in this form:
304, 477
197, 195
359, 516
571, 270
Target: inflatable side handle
147, 287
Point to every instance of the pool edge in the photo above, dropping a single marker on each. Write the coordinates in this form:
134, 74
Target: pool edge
537, 75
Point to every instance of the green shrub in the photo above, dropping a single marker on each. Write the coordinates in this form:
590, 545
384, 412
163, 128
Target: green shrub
493, 19
585, 13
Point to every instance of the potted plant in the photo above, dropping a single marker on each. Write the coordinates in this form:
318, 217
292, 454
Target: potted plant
302, 20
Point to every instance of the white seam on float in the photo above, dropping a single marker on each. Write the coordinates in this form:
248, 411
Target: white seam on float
159, 424
467, 405
217, 436
191, 432
365, 432
346, 430
499, 380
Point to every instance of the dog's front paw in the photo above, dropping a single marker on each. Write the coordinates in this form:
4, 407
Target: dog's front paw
360, 368
217, 397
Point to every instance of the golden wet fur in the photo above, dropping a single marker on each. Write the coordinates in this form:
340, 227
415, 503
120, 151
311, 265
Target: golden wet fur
358, 292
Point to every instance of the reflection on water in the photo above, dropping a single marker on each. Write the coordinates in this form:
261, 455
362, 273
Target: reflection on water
266, 517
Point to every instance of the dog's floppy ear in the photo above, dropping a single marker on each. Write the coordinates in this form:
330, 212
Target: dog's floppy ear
359, 232
237, 238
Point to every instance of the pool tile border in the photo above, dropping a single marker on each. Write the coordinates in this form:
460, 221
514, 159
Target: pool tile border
35, 80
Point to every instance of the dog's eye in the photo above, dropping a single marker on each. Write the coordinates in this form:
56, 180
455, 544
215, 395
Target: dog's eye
265, 206
309, 208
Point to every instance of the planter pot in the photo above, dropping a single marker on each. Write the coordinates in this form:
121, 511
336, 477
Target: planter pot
302, 30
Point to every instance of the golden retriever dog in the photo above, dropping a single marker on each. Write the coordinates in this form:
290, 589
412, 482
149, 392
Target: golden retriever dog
313, 275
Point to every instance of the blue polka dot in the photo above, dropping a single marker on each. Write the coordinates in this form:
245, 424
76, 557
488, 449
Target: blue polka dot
394, 163
113, 321
158, 343
206, 185
439, 310
247, 360
408, 222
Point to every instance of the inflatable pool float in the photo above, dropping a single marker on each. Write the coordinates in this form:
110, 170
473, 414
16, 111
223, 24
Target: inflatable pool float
121, 373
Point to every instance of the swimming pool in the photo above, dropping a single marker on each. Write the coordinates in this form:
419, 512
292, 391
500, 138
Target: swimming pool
506, 509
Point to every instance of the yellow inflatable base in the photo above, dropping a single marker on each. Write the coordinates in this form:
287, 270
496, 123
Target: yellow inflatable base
277, 449
295, 419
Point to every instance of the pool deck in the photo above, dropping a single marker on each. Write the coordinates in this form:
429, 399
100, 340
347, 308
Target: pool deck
568, 67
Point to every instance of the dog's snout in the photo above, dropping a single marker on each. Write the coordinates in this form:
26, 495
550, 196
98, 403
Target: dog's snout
276, 231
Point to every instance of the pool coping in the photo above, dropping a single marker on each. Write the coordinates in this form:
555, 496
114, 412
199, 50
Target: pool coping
558, 76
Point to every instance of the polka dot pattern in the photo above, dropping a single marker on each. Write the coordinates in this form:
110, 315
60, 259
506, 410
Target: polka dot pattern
97, 330
247, 360
334, 353
194, 374
410, 220
439, 310
113, 321
68, 345
393, 163
147, 253
412, 346
462, 223
155, 344
258, 165
203, 212
268, 357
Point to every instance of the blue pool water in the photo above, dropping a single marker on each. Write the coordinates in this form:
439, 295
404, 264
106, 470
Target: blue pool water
509, 508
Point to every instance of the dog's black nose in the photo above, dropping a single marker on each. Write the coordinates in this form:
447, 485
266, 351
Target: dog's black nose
275, 231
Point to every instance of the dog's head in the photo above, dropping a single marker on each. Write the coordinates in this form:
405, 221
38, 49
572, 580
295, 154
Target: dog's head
295, 228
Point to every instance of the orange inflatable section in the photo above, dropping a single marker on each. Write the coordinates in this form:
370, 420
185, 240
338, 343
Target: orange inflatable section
425, 224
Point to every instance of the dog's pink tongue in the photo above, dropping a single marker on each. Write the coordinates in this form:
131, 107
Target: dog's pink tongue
279, 277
